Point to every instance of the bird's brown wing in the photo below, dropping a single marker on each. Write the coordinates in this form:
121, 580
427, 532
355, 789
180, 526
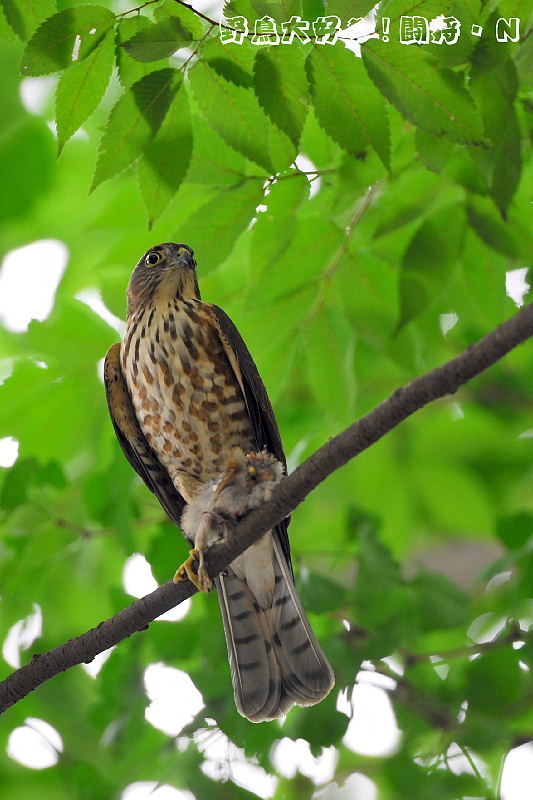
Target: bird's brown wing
132, 440
260, 410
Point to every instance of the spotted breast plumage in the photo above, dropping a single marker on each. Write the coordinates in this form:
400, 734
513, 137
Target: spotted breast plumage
187, 403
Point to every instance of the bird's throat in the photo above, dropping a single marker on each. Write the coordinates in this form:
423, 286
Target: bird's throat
160, 289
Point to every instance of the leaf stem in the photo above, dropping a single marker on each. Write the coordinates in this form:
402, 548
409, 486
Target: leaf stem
138, 8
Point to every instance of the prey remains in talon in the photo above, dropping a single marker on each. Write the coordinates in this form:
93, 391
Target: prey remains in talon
211, 528
246, 481
201, 579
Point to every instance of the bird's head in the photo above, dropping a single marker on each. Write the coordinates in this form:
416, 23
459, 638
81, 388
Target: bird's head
165, 271
249, 470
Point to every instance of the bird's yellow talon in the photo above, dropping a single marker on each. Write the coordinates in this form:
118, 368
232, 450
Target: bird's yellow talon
179, 575
201, 579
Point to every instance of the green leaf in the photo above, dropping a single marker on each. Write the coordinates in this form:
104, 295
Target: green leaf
434, 152
492, 230
133, 121
470, 13
384, 606
280, 83
108, 498
496, 682
347, 105
432, 253
67, 37
23, 17
395, 9
353, 178
6, 30
494, 86
437, 480
213, 161
87, 340
18, 482
186, 15
36, 401
441, 604
508, 163
276, 226
369, 288
25, 473
309, 254
375, 558
515, 530
158, 40
330, 347
467, 167
407, 199
26, 165
321, 726
235, 8
282, 151
166, 548
80, 89
418, 783
432, 99
129, 69
317, 145
234, 113
348, 9
280, 10
320, 594
235, 65
213, 229
166, 160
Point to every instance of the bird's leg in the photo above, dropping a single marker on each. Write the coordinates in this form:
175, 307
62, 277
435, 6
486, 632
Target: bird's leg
201, 579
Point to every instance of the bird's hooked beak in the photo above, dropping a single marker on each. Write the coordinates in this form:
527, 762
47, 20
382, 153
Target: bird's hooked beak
179, 268
181, 261
183, 257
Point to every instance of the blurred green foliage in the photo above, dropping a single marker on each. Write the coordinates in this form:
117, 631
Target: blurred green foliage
418, 156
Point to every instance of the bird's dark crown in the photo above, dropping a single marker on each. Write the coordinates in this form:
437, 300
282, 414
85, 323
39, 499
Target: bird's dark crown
165, 271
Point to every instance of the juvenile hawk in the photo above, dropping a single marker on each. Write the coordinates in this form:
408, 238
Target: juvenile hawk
186, 400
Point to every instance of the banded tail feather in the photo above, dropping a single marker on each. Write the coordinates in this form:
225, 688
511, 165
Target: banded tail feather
275, 658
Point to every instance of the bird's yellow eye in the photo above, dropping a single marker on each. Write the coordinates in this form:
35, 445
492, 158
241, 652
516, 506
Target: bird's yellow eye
153, 258
252, 470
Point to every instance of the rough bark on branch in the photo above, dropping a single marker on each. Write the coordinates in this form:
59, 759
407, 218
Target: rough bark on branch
286, 497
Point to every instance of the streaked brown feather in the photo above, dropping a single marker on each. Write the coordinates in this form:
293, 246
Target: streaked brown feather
264, 425
132, 440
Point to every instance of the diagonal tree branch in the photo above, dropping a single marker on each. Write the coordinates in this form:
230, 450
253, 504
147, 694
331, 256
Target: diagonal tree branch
286, 497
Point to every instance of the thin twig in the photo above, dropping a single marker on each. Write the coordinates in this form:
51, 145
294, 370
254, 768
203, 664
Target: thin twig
465, 752
465, 652
197, 48
138, 8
